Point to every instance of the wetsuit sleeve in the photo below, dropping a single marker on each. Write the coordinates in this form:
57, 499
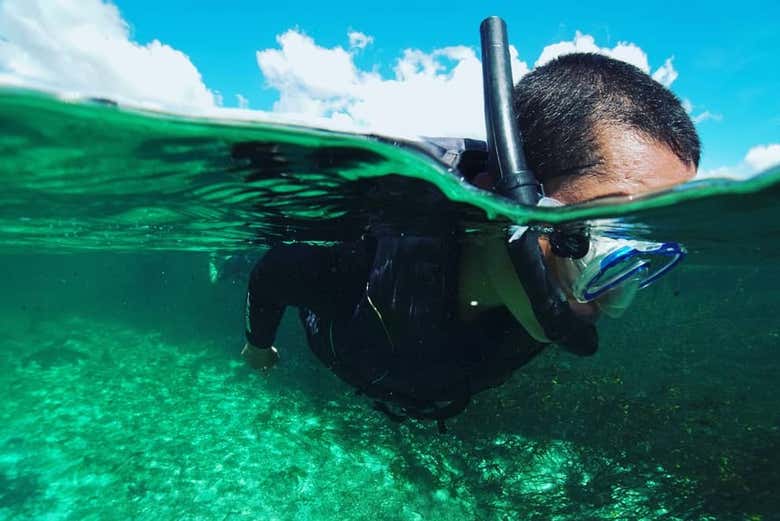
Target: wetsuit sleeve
314, 277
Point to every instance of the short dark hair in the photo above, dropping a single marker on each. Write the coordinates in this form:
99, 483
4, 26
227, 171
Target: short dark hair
559, 106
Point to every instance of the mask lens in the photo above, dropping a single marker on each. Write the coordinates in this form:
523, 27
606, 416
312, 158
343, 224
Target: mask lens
643, 263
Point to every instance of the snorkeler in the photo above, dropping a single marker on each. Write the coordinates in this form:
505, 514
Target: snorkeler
421, 321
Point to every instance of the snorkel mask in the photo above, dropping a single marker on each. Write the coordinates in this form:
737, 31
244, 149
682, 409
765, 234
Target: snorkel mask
614, 270
607, 269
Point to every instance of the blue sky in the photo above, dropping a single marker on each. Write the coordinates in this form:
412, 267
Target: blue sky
725, 54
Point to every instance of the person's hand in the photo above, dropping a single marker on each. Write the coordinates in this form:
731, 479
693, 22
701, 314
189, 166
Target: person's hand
260, 359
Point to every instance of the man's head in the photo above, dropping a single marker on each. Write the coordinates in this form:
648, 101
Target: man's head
596, 127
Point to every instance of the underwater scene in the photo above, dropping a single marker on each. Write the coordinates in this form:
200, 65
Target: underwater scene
127, 239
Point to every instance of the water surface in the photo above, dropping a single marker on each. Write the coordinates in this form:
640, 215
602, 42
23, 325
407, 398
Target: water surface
125, 396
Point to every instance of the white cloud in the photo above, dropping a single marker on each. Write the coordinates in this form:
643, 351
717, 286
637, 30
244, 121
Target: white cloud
358, 40
707, 115
665, 74
757, 160
623, 51
762, 157
739, 172
301, 65
627, 52
519, 68
243, 103
703, 116
85, 46
436, 93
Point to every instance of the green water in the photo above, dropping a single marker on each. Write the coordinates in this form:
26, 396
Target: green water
125, 398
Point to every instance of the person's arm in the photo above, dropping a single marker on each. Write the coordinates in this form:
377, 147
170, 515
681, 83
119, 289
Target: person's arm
288, 275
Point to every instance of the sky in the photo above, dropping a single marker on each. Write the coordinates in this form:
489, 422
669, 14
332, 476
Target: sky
399, 68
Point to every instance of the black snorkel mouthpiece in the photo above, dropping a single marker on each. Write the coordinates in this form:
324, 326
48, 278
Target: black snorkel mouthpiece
506, 161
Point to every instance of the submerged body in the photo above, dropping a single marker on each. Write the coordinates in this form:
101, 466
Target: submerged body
416, 317
389, 316
419, 316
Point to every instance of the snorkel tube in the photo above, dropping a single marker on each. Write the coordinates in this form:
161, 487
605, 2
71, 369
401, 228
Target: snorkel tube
506, 161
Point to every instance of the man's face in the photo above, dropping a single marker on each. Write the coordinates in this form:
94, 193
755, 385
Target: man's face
633, 165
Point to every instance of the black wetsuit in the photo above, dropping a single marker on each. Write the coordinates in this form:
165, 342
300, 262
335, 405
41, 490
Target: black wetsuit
382, 313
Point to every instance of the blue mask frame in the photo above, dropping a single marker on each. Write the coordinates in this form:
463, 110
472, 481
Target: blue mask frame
674, 251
